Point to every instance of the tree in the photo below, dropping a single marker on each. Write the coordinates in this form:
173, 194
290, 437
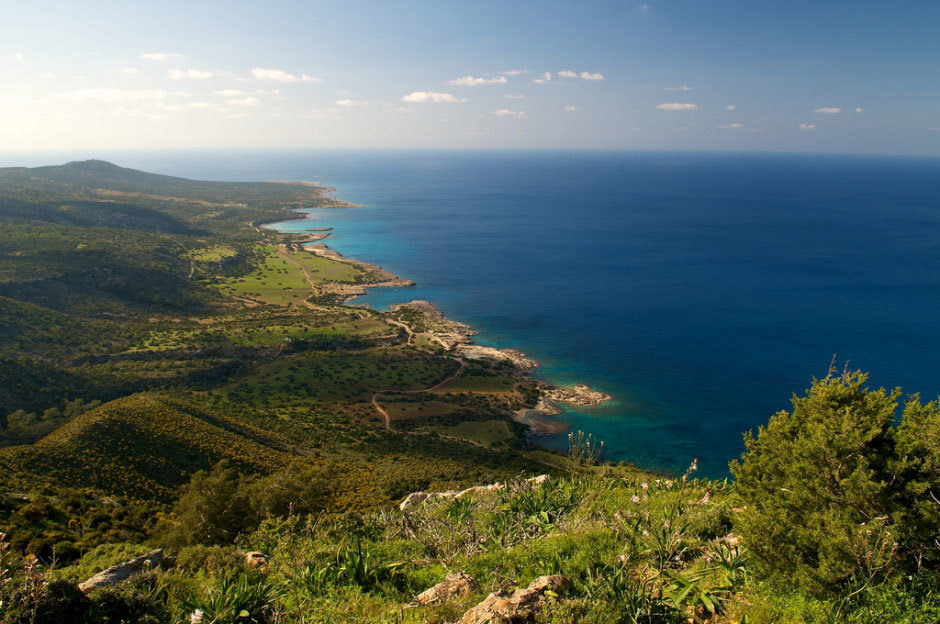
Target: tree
835, 493
214, 508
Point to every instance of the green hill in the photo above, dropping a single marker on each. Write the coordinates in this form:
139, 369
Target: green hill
143, 446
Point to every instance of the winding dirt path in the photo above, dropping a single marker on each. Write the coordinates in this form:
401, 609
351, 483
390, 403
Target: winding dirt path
388, 418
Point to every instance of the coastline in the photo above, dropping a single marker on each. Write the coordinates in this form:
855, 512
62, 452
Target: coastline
452, 336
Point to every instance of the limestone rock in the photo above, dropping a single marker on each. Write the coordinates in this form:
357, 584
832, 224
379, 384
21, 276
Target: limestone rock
123, 571
257, 560
454, 585
416, 499
518, 607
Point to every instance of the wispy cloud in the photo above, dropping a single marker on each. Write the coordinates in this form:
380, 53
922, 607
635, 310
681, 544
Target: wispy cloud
680, 88
677, 106
567, 73
431, 96
858, 110
189, 74
515, 72
514, 96
805, 126
18, 57
131, 70
730, 107
505, 112
732, 125
280, 75
827, 109
472, 81
248, 101
160, 57
113, 96
236, 115
571, 108
351, 103
230, 92
201, 105
546, 77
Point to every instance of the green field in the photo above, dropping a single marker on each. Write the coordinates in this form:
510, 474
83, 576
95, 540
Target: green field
483, 384
487, 432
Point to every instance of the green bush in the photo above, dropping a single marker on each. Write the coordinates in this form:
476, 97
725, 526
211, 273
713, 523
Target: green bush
836, 493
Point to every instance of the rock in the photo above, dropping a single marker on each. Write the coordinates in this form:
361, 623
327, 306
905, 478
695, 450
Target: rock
519, 606
576, 395
731, 540
455, 585
123, 571
258, 561
416, 499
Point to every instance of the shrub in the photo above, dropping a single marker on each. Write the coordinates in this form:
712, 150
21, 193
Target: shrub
835, 493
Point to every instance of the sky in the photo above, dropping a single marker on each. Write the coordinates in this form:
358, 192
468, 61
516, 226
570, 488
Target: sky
795, 76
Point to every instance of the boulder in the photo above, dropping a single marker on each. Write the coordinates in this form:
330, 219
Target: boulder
416, 499
455, 585
123, 571
257, 560
518, 607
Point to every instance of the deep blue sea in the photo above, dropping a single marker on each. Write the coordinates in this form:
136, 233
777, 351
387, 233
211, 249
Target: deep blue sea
701, 290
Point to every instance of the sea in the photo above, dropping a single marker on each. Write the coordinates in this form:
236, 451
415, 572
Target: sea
700, 290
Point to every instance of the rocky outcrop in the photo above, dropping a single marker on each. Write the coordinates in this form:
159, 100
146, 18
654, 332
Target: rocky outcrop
519, 606
123, 571
416, 499
576, 395
455, 585
517, 359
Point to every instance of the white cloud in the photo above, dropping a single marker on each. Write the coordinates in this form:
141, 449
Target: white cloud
933, 129
114, 96
471, 81
546, 77
131, 70
730, 107
351, 103
804, 126
47, 75
571, 108
567, 73
190, 74
169, 107
201, 105
681, 88
677, 106
513, 96
515, 72
280, 75
858, 110
236, 115
827, 109
403, 109
230, 93
644, 9
18, 57
731, 125
505, 112
268, 91
430, 96
182, 94
160, 56
590, 76
248, 101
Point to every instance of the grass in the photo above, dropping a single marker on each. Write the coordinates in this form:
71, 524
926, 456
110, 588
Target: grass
213, 253
484, 384
340, 376
422, 409
487, 432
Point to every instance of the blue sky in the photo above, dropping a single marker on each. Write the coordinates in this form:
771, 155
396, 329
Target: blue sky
706, 75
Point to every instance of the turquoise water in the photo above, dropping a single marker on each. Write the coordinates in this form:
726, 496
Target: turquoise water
701, 290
